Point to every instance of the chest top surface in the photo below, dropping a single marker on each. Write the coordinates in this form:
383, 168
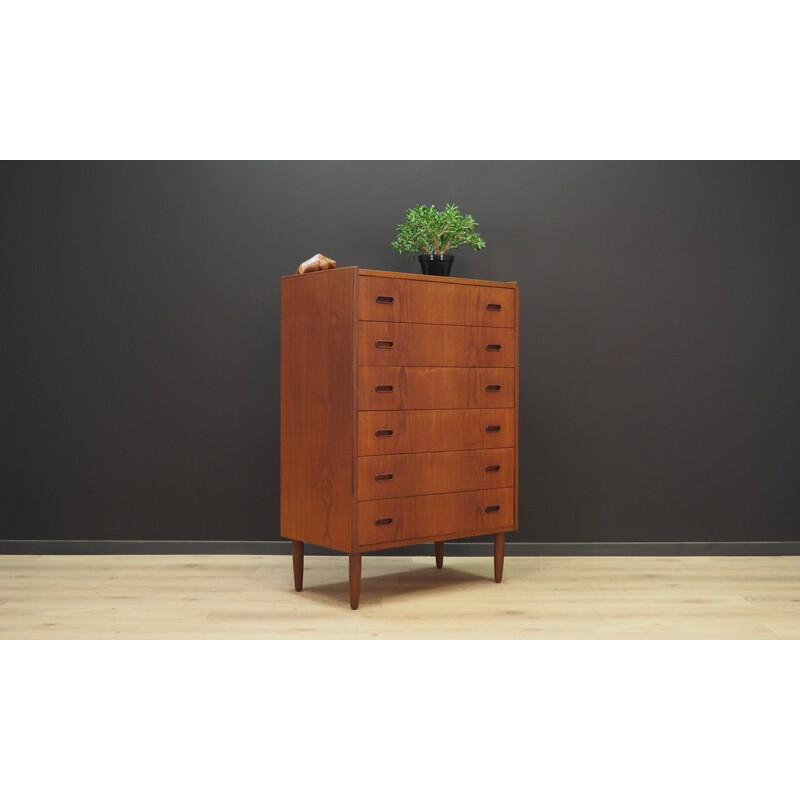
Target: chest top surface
410, 276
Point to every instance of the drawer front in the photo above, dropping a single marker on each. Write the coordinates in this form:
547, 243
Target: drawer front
398, 300
434, 473
403, 344
403, 518
434, 387
383, 432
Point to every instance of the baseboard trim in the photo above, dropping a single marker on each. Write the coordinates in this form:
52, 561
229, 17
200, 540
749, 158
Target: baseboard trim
484, 549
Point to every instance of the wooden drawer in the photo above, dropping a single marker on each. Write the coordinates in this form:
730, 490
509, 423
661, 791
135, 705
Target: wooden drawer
403, 300
425, 518
411, 345
434, 387
382, 432
434, 473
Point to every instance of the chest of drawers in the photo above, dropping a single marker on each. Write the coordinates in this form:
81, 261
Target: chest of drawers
399, 398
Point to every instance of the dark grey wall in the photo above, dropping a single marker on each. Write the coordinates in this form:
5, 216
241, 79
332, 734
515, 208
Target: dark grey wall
660, 351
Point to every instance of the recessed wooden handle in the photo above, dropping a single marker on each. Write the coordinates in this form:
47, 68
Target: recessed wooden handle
384, 521
384, 432
385, 477
491, 509
493, 306
493, 387
382, 344
492, 346
492, 428
384, 299
493, 468
384, 389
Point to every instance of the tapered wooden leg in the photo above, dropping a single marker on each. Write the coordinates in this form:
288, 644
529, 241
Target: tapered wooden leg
355, 579
297, 562
499, 553
439, 550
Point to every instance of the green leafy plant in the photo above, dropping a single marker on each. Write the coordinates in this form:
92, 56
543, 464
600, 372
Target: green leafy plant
427, 230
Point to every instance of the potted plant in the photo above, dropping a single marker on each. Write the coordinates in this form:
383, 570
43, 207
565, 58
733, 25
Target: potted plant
433, 233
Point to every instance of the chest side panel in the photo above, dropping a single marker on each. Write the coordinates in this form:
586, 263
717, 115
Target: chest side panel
317, 408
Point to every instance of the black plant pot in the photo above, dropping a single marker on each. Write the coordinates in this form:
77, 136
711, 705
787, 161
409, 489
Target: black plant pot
435, 264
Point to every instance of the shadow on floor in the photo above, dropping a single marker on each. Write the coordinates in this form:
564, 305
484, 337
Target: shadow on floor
376, 588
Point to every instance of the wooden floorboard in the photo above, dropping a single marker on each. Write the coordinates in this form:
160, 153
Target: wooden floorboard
252, 596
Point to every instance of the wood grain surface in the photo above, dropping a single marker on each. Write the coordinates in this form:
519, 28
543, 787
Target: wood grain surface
435, 387
402, 597
317, 407
381, 432
428, 516
402, 475
391, 299
417, 345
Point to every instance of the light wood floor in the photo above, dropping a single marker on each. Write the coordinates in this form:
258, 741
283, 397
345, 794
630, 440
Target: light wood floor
243, 597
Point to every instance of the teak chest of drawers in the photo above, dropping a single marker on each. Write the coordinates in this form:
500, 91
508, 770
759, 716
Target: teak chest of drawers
399, 398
